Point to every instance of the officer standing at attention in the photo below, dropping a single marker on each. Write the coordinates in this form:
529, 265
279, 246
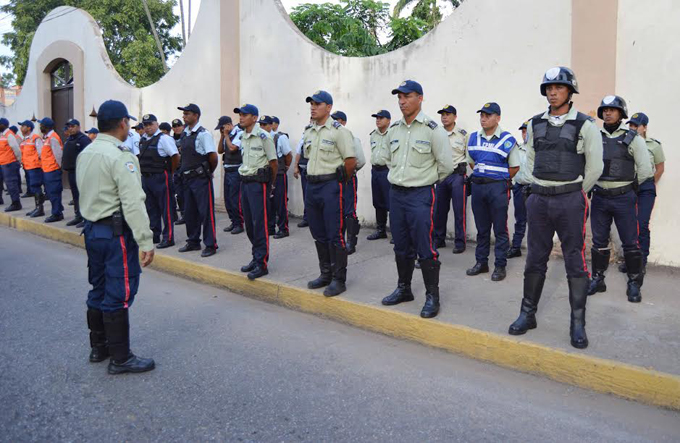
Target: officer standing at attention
300, 172
647, 190
19, 138
199, 160
50, 156
117, 228
349, 192
520, 181
177, 132
265, 123
258, 172
564, 155
74, 145
494, 159
92, 133
420, 156
31, 146
158, 159
380, 186
10, 164
626, 166
330, 149
452, 188
230, 148
280, 195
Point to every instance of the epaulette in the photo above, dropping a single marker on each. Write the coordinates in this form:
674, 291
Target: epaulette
654, 140
591, 119
462, 131
309, 126
263, 136
124, 148
395, 124
431, 124
372, 132
337, 124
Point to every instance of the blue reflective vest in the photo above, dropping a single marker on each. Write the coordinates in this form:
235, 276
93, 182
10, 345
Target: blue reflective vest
491, 157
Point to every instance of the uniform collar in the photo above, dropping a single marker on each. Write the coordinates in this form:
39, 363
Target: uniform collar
453, 131
106, 138
496, 134
571, 115
196, 128
254, 132
328, 124
158, 131
420, 118
49, 133
622, 128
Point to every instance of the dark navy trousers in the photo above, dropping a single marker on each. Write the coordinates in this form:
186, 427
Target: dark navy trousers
349, 198
520, 215
232, 196
53, 189
178, 181
28, 180
10, 172
255, 199
279, 204
199, 211
490, 207
324, 203
646, 198
412, 222
622, 210
160, 201
36, 179
565, 214
74, 190
303, 183
451, 191
113, 267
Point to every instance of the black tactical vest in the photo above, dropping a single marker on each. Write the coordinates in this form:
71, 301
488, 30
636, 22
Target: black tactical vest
231, 157
73, 146
190, 158
150, 161
619, 164
556, 155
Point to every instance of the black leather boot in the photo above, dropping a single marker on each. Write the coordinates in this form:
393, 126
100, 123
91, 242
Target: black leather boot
578, 289
405, 272
430, 269
600, 263
39, 210
381, 221
533, 288
95, 322
117, 325
14, 206
339, 269
636, 275
323, 252
353, 228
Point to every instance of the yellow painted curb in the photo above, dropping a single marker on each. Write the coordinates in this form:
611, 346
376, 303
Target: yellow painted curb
601, 375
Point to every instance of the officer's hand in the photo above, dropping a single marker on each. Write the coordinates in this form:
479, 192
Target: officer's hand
147, 257
296, 173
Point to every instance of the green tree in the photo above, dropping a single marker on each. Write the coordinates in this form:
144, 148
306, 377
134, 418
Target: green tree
125, 29
426, 8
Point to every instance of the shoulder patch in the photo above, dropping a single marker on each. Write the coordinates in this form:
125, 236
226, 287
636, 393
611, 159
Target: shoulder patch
590, 119
372, 132
130, 167
124, 148
309, 126
263, 135
431, 124
397, 123
336, 124
462, 131
654, 140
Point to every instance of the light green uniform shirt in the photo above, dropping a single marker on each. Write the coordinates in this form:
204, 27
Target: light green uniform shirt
656, 154
327, 146
108, 178
458, 139
589, 144
359, 153
513, 156
258, 150
638, 149
380, 148
523, 177
420, 154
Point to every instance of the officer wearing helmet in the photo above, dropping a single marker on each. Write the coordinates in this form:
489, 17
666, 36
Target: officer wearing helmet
626, 166
564, 157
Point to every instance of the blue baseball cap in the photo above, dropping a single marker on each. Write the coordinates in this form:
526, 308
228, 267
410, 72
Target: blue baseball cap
14, 129
247, 109
275, 120
320, 97
265, 120
382, 113
639, 119
190, 108
408, 86
4, 121
27, 123
449, 109
92, 131
525, 125
113, 110
46, 122
149, 118
490, 108
339, 115
73, 122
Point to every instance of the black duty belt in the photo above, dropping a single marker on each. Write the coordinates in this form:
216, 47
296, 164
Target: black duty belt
380, 167
116, 222
151, 174
302, 166
322, 178
253, 179
556, 190
199, 171
461, 169
407, 188
484, 180
613, 192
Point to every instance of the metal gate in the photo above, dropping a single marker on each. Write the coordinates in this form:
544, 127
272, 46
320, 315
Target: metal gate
61, 81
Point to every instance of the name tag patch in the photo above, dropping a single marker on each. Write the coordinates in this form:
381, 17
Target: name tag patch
423, 142
327, 142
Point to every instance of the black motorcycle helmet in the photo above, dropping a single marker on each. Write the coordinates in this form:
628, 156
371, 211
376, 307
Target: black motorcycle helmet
613, 101
559, 75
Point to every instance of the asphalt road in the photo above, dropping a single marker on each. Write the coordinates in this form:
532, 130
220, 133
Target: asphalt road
234, 369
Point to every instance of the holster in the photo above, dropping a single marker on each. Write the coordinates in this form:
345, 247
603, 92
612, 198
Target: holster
341, 173
117, 223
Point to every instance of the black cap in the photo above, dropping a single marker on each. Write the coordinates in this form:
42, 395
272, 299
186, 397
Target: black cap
149, 118
275, 119
339, 115
524, 125
177, 122
112, 110
138, 126
165, 126
448, 108
225, 119
490, 108
190, 108
265, 120
382, 113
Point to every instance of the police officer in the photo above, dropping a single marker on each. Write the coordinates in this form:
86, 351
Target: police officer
31, 146
564, 156
420, 155
646, 190
158, 159
520, 181
73, 146
50, 157
10, 164
626, 166
453, 188
280, 191
166, 129
330, 149
258, 172
92, 133
199, 160
493, 157
117, 228
133, 139
349, 193
139, 129
380, 186
265, 123
300, 172
230, 148
177, 132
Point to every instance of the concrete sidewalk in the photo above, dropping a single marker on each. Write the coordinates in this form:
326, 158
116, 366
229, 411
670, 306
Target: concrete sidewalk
644, 335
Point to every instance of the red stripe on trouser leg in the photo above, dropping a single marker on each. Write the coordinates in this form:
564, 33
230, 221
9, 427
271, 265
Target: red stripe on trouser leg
212, 212
167, 206
434, 253
342, 216
126, 274
585, 219
266, 221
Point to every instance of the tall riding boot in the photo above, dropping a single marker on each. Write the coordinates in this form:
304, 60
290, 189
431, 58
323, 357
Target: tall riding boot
578, 290
533, 287
95, 322
405, 272
35, 198
430, 270
339, 268
323, 252
39, 205
636, 275
117, 326
600, 262
78, 217
353, 228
